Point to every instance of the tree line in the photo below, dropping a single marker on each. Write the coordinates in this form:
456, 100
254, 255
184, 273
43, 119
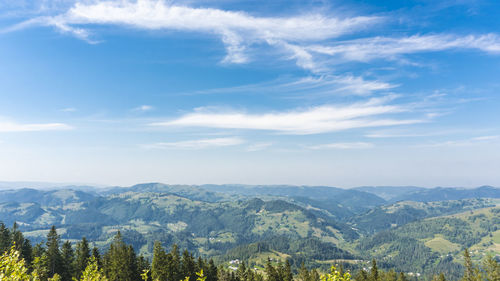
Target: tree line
55, 260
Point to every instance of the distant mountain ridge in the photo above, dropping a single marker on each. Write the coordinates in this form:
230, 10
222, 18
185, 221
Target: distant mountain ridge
316, 223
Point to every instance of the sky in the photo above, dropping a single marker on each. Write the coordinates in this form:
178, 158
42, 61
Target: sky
339, 93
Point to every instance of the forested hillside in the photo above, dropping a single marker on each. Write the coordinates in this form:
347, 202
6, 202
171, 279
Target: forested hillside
53, 261
311, 226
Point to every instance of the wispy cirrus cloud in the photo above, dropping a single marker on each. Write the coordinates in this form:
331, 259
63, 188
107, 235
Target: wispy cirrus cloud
367, 49
343, 145
13, 127
314, 120
306, 38
198, 144
237, 30
313, 85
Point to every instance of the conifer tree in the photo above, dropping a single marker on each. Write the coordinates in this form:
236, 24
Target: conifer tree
361, 276
271, 273
402, 277
120, 261
223, 275
439, 277
5, 241
143, 266
159, 265
38, 250
175, 264
211, 271
97, 257
471, 272
491, 269
390, 275
82, 255
303, 273
22, 245
68, 258
54, 258
188, 266
314, 275
27, 252
288, 275
92, 272
374, 276
241, 272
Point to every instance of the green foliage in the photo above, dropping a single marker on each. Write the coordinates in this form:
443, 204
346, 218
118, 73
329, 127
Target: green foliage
336, 275
54, 258
12, 267
92, 272
491, 269
82, 255
120, 262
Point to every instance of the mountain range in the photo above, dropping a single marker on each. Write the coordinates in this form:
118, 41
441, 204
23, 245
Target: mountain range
316, 224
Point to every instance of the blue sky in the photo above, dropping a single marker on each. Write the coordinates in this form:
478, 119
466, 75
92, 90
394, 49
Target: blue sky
341, 93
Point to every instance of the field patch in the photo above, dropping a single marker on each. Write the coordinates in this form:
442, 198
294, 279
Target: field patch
441, 245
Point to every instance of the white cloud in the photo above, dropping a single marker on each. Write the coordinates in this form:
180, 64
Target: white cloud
343, 145
359, 86
323, 85
143, 108
367, 49
237, 30
198, 144
11, 127
306, 38
315, 120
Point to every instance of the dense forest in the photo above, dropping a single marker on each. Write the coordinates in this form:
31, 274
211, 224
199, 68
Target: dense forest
56, 260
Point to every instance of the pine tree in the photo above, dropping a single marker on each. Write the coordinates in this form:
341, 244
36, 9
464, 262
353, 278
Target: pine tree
27, 252
241, 272
174, 264
68, 261
5, 241
120, 261
201, 265
288, 275
391, 275
92, 272
143, 266
314, 275
402, 277
491, 269
82, 255
303, 273
97, 257
361, 276
54, 258
22, 245
471, 273
439, 277
211, 271
223, 275
374, 276
271, 273
188, 266
159, 265
39, 250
